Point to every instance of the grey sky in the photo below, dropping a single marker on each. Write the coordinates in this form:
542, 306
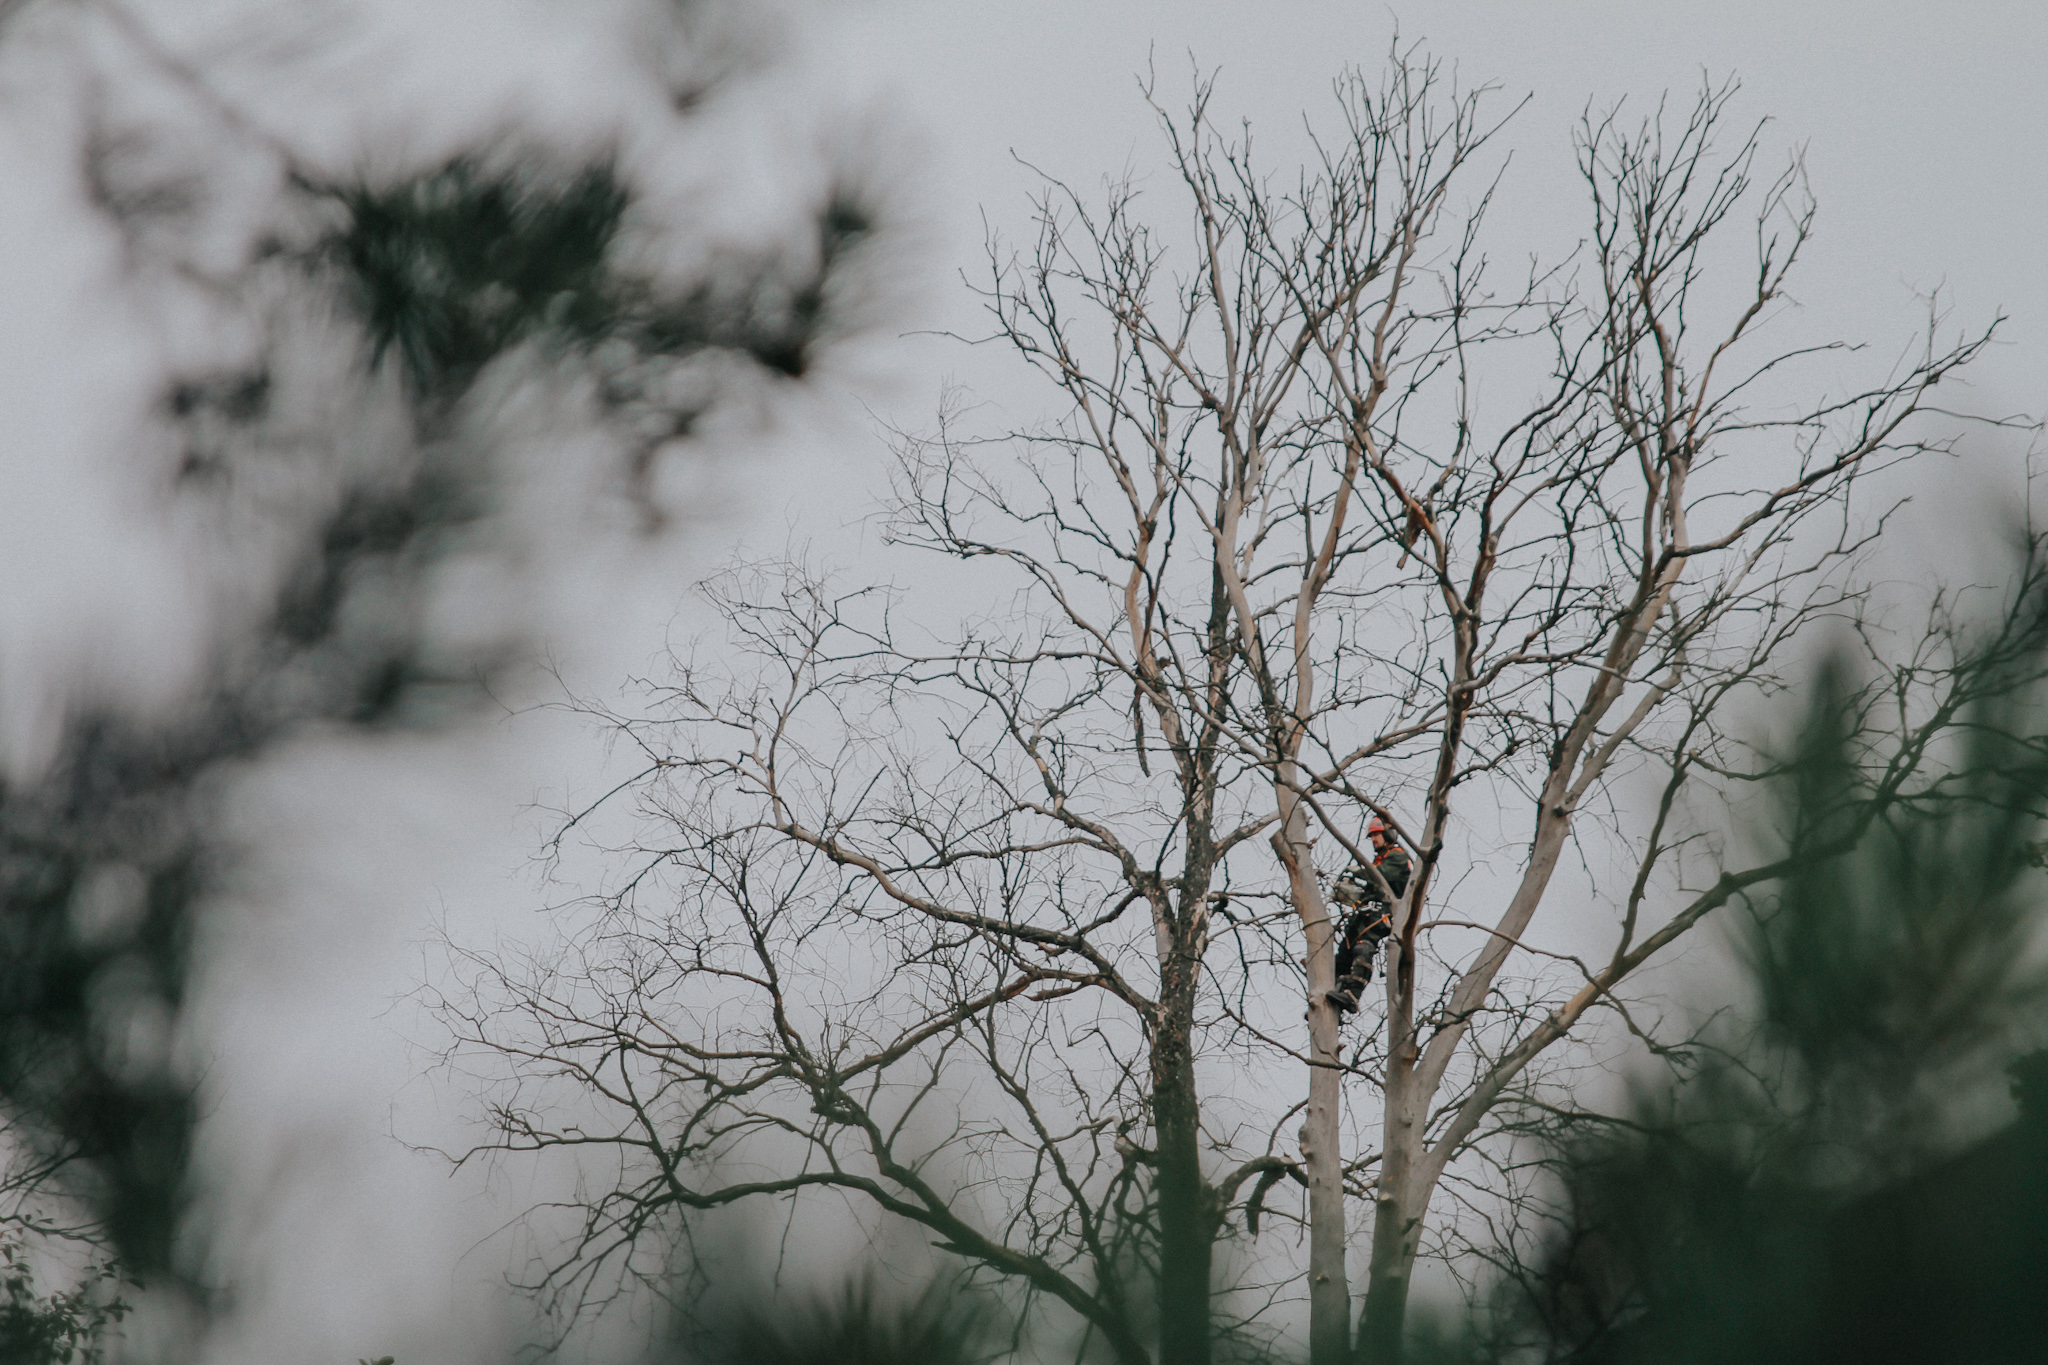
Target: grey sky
1920, 123
1922, 126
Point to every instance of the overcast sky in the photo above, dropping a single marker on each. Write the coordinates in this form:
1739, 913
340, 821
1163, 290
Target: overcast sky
1921, 125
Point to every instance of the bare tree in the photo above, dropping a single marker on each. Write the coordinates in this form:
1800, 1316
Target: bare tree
1276, 571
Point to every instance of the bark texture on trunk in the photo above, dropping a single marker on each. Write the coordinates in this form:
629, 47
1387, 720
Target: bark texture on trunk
1396, 1224
1396, 1235
1187, 1223
1329, 1290
1401, 1191
1322, 1153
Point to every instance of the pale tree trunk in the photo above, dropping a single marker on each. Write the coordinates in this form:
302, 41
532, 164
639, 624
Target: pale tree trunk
1397, 1216
1409, 1166
1397, 1203
1322, 1154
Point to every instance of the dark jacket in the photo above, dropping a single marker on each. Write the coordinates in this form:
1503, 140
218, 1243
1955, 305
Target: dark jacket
1393, 865
1354, 887
1369, 922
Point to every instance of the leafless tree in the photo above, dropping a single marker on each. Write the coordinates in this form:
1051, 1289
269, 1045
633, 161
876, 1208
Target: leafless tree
1019, 904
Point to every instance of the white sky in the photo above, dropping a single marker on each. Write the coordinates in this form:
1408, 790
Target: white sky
1922, 126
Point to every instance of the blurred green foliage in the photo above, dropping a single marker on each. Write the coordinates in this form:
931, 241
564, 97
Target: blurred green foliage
452, 268
1812, 1191
858, 1324
446, 270
63, 1327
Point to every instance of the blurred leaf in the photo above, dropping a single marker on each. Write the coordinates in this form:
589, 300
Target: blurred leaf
857, 1325
454, 268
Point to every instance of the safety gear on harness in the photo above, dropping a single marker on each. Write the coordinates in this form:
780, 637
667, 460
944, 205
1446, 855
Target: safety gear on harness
1371, 919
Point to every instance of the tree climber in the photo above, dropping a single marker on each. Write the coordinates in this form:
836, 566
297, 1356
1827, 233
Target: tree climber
1371, 918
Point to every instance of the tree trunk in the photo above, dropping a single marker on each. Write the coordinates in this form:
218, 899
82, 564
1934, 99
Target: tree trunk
1396, 1234
1397, 1217
1187, 1223
1329, 1288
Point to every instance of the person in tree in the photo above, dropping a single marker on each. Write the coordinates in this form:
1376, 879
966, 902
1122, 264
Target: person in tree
1371, 918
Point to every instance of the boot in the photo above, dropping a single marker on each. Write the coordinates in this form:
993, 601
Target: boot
1345, 997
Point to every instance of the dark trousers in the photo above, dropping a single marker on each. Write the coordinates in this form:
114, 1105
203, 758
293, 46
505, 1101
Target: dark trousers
1367, 928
